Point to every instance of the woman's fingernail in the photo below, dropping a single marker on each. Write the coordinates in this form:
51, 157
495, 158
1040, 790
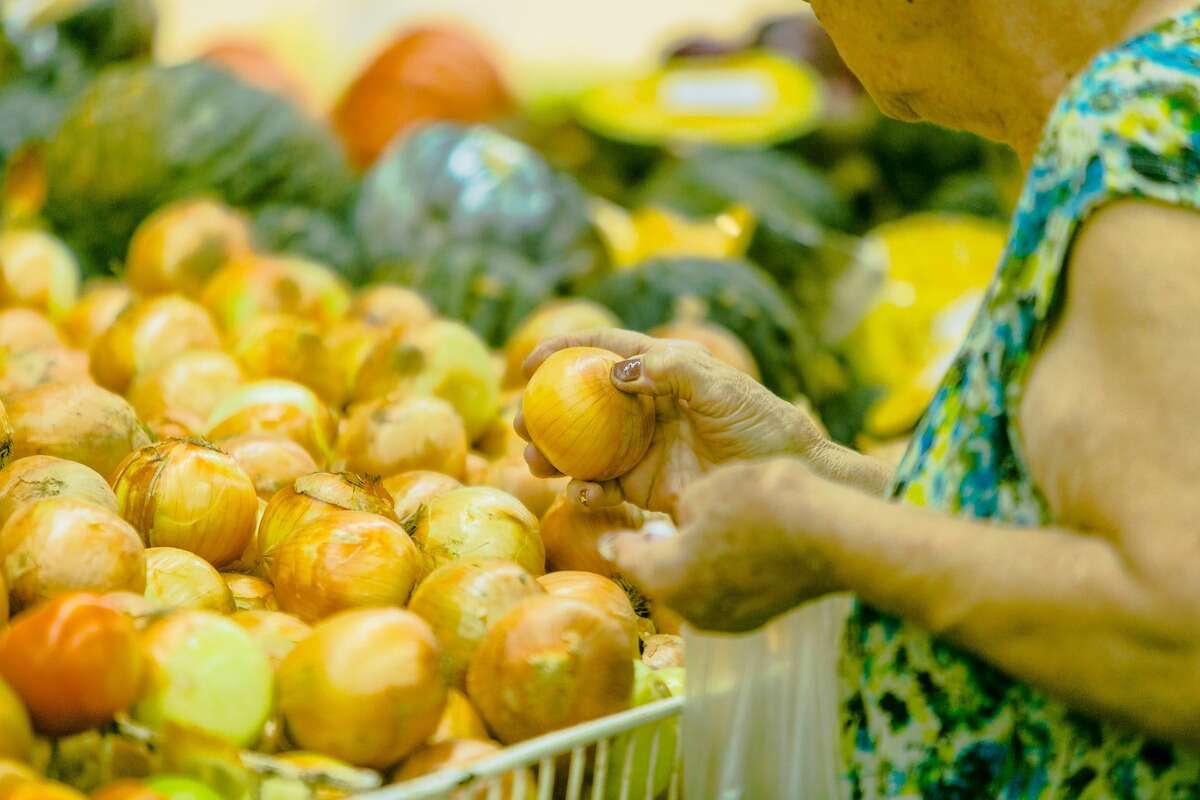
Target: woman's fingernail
628, 370
606, 545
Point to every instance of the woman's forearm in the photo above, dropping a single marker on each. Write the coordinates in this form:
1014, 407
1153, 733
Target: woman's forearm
1055, 608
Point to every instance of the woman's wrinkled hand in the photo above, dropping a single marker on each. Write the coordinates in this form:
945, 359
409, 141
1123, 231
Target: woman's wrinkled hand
746, 550
707, 413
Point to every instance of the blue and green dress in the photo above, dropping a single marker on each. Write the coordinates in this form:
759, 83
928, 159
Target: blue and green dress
920, 717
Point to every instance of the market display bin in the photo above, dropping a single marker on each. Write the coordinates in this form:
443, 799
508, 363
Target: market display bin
572, 764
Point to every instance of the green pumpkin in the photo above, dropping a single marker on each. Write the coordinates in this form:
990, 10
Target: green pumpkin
309, 233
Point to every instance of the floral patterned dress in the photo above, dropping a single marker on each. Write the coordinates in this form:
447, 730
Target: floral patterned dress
921, 718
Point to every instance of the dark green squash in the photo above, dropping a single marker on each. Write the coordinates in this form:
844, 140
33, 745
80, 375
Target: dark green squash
309, 233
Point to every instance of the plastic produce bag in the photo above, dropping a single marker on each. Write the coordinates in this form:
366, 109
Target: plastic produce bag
761, 722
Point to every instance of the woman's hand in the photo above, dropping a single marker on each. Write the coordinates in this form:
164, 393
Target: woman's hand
741, 555
708, 413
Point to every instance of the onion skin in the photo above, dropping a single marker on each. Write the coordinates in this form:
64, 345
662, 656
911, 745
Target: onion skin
313, 496
390, 307
64, 544
193, 382
720, 342
571, 534
23, 328
364, 687
189, 495
34, 478
74, 662
274, 631
180, 246
394, 435
250, 593
511, 474
345, 560
280, 408
181, 580
480, 522
37, 271
553, 319
585, 426
253, 285
549, 663
462, 600
146, 335
95, 313
597, 591
21, 370
460, 720
78, 422
272, 462
411, 490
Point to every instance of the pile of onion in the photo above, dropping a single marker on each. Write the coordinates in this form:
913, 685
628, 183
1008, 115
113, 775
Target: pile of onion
74, 661
365, 686
585, 426
278, 407
31, 367
96, 311
180, 246
189, 384
190, 495
480, 522
391, 307
344, 560
37, 271
313, 496
64, 544
274, 631
78, 422
178, 579
600, 593
571, 534
395, 434
463, 599
442, 358
271, 462
411, 490
146, 335
33, 478
205, 672
553, 319
549, 663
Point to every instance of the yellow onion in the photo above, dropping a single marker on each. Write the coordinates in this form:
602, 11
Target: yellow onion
178, 579
585, 426
364, 687
349, 559
272, 462
463, 599
43, 790
205, 673
79, 422
289, 347
146, 335
313, 496
460, 720
134, 605
13, 773
190, 495
250, 593
16, 733
441, 358
393, 435
571, 534
390, 306
549, 663
37, 271
102, 302
276, 407
175, 424
663, 650
34, 478
180, 246
253, 285
457, 753
717, 340
511, 474
411, 490
501, 439
24, 328
64, 544
553, 319
600, 592
480, 522
275, 632
193, 382
476, 469
347, 343
32, 367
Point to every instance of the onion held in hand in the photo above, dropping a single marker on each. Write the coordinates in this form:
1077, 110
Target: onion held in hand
364, 686
463, 599
584, 425
599, 592
350, 559
33, 478
190, 495
64, 544
272, 462
479, 522
178, 579
549, 663
74, 661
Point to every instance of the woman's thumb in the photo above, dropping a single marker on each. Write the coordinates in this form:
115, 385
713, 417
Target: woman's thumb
666, 372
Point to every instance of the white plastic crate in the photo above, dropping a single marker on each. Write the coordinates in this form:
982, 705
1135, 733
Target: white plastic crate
536, 767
